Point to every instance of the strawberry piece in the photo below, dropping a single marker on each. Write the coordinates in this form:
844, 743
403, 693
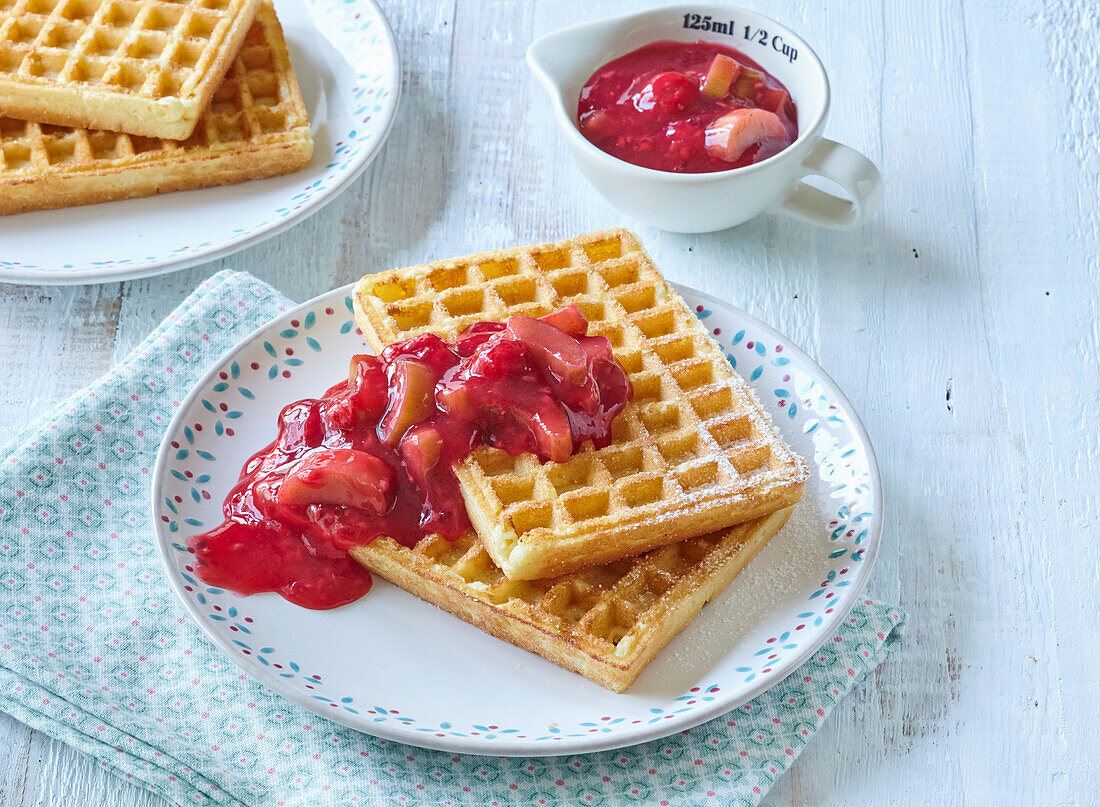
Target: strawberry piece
475, 336
429, 348
668, 93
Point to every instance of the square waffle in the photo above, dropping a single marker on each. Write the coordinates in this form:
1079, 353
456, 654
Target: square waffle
145, 67
693, 453
604, 622
256, 126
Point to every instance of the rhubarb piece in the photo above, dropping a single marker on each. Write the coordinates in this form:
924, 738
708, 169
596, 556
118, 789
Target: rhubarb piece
772, 99
569, 319
339, 476
454, 399
412, 398
746, 83
353, 365
551, 348
732, 133
597, 124
541, 415
723, 70
421, 448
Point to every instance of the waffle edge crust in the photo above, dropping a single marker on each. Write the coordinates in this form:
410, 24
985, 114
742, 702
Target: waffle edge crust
693, 453
606, 622
256, 127
145, 67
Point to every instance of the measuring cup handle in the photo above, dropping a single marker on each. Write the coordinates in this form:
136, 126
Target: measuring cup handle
849, 169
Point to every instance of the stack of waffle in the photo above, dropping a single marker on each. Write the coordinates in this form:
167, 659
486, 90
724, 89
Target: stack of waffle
113, 99
598, 562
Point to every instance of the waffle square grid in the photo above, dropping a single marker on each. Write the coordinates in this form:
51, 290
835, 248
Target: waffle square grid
256, 126
145, 67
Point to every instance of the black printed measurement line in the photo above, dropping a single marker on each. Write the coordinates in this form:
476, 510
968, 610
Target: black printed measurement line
699, 22
758, 36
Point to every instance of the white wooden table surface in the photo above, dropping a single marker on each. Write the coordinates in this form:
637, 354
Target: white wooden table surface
963, 323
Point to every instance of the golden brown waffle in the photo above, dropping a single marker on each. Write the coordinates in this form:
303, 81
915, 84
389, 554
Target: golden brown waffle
693, 453
146, 67
605, 622
256, 127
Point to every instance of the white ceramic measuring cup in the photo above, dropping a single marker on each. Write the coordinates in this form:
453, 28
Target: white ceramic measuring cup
565, 59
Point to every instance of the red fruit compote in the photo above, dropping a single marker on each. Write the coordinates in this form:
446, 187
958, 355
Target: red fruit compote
687, 107
374, 455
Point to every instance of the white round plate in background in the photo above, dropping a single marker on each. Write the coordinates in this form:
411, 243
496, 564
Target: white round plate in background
396, 667
347, 66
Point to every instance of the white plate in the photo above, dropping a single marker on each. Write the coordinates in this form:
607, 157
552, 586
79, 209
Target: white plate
399, 668
347, 66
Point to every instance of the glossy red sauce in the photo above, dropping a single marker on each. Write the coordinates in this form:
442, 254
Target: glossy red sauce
649, 108
374, 455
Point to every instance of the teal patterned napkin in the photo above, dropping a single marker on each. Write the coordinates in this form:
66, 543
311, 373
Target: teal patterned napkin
95, 651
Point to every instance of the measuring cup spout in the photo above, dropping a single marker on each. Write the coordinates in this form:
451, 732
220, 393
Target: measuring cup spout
566, 57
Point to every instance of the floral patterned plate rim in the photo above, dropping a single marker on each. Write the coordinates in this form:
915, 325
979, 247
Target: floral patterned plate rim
393, 666
347, 64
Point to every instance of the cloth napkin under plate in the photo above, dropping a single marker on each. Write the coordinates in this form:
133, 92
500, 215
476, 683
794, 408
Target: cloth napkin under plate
95, 651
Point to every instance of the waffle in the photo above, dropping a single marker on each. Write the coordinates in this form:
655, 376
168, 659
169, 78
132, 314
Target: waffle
145, 67
694, 452
256, 127
604, 622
